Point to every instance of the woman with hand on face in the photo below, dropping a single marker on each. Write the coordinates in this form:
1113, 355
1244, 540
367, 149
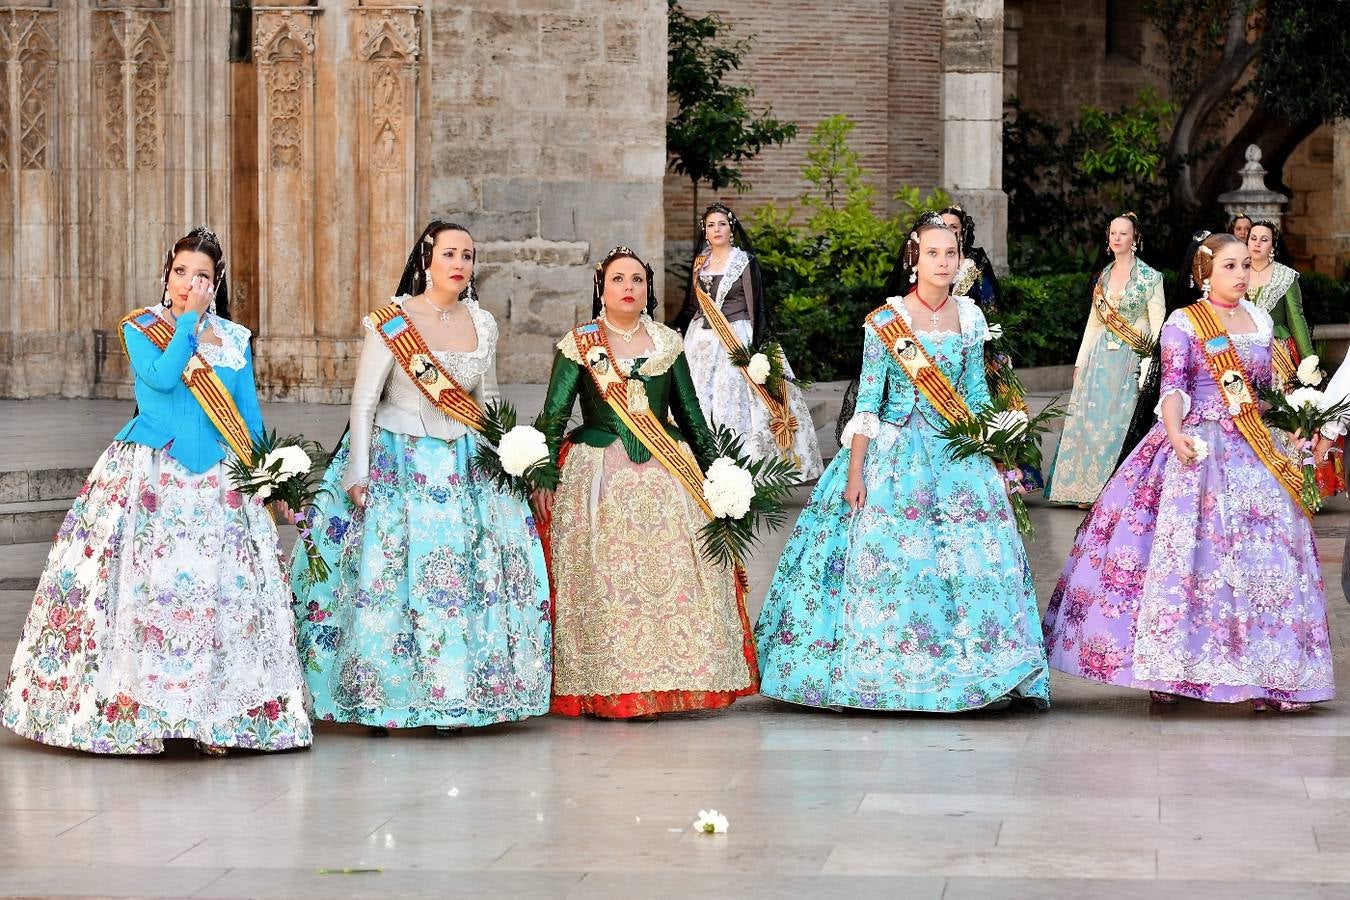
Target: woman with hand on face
1126, 315
436, 608
162, 611
726, 308
644, 625
905, 585
1196, 574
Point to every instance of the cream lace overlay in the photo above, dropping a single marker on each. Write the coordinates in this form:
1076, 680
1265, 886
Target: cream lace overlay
638, 609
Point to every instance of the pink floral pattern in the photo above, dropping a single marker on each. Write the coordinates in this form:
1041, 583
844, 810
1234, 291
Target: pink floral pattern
1196, 579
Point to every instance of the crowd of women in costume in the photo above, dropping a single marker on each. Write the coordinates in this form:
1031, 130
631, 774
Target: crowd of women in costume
163, 611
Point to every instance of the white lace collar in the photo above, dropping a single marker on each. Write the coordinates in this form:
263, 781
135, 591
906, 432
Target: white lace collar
967, 312
231, 352
735, 266
484, 328
667, 346
1265, 327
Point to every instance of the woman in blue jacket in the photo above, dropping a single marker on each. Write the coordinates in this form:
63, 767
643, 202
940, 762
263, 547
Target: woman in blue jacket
162, 611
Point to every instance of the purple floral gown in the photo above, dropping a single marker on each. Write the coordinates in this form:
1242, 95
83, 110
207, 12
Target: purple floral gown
1197, 579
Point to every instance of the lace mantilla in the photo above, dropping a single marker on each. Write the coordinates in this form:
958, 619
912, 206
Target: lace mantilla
667, 345
1265, 326
231, 352
465, 366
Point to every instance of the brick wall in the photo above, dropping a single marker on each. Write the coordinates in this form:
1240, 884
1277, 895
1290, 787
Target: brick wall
876, 61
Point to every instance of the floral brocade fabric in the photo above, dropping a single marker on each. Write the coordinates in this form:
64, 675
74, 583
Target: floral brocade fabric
643, 623
162, 613
1196, 579
923, 599
436, 608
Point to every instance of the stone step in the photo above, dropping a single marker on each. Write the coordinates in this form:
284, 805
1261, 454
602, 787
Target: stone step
40, 483
31, 522
21, 564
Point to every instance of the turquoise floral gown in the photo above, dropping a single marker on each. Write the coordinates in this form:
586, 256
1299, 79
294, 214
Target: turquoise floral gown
923, 599
436, 608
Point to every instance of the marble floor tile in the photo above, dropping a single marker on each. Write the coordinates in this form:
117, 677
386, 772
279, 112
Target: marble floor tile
111, 879
691, 885
406, 884
1000, 862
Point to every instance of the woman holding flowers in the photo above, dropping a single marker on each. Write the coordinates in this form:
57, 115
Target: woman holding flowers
1196, 574
1123, 323
905, 585
162, 611
742, 377
436, 609
644, 623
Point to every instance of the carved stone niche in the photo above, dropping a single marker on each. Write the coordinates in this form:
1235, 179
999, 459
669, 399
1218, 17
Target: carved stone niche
131, 4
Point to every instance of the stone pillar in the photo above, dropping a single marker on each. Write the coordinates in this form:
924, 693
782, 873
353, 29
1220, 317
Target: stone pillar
972, 116
32, 259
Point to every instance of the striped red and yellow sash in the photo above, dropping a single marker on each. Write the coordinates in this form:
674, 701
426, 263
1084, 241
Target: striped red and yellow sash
908, 352
1235, 387
1116, 323
632, 409
413, 356
202, 380
1282, 361
782, 423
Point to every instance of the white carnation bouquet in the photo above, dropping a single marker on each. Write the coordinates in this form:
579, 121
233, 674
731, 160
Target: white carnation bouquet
764, 364
746, 498
1009, 437
1302, 412
515, 456
287, 470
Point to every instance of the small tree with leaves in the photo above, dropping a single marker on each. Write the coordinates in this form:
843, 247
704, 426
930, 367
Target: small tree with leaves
713, 129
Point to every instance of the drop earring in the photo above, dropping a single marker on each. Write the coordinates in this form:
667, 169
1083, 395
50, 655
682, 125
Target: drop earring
167, 301
1204, 289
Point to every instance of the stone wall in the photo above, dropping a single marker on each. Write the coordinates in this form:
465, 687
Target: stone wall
316, 139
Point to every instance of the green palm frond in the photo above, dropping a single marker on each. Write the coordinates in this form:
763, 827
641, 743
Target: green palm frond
726, 542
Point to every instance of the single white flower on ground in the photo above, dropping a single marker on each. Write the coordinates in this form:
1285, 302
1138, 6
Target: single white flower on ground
758, 369
1145, 365
993, 332
1308, 371
728, 489
522, 447
1201, 449
1010, 422
294, 461
710, 821
1306, 396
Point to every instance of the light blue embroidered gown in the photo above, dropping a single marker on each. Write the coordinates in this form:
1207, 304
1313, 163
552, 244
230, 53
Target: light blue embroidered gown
436, 608
923, 600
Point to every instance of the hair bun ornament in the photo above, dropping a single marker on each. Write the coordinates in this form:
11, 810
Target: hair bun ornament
202, 231
1205, 250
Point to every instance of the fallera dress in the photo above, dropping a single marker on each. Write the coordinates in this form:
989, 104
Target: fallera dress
727, 399
1104, 394
436, 608
1198, 579
922, 600
644, 624
162, 611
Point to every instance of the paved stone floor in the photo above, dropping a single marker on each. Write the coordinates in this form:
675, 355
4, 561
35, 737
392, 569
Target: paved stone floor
1100, 797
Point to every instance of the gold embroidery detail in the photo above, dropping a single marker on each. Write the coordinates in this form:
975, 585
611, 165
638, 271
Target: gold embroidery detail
638, 609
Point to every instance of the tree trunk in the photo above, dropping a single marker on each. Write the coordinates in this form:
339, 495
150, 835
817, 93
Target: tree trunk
1277, 139
1217, 86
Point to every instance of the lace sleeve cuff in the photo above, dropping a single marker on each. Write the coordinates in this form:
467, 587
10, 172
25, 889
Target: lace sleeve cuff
866, 424
1333, 429
1185, 401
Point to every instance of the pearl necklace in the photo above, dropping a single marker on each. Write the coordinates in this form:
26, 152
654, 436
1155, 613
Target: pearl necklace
627, 335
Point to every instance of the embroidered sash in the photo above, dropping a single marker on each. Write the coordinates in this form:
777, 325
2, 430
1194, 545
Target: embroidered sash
905, 349
628, 399
782, 423
201, 379
413, 356
1282, 361
1115, 322
1226, 368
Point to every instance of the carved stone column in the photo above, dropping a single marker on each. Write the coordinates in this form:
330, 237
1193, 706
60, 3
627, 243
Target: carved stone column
972, 114
387, 50
284, 54
31, 259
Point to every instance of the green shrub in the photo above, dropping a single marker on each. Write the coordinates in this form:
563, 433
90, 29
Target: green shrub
1325, 300
1043, 318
